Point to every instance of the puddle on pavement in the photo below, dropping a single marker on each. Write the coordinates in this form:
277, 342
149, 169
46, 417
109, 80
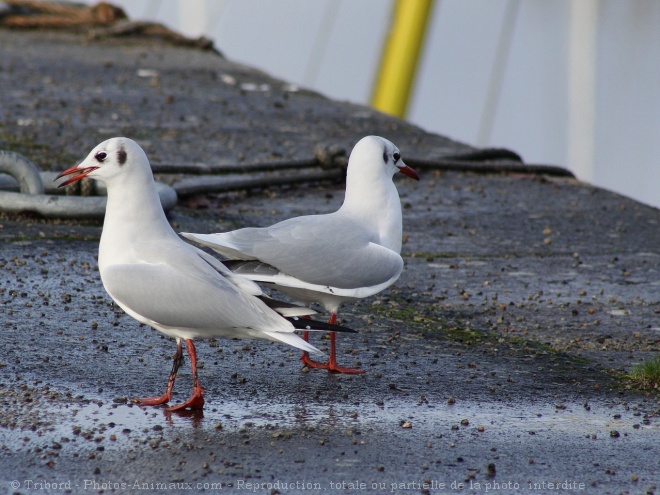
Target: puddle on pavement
115, 426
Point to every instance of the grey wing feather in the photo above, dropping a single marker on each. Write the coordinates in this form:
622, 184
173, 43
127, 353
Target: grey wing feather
310, 249
176, 288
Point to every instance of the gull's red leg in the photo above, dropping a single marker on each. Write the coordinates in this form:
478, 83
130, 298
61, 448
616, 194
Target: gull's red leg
167, 395
332, 362
307, 361
196, 400
331, 365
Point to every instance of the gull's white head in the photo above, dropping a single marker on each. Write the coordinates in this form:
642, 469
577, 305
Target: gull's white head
376, 155
113, 158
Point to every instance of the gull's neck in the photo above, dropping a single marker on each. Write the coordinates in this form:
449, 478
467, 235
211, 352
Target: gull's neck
133, 215
375, 204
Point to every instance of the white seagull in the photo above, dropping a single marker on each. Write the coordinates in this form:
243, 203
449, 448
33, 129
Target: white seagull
330, 259
168, 284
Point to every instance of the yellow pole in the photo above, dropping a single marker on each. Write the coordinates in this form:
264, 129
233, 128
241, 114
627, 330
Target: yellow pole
400, 56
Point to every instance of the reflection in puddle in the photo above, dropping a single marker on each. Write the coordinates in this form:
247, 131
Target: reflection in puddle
119, 425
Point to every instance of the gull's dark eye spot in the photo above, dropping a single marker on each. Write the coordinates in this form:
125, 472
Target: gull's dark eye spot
396, 156
100, 156
121, 156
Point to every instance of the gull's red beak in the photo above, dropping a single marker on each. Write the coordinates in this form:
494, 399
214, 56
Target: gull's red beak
406, 170
81, 174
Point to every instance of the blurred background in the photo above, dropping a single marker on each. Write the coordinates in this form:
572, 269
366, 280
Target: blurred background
574, 83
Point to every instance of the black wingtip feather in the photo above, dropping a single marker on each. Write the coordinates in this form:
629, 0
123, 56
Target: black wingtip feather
276, 304
312, 325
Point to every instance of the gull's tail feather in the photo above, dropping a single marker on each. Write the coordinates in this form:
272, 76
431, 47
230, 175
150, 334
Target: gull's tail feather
317, 326
286, 309
293, 340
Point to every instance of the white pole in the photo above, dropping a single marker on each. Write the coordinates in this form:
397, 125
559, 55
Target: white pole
497, 74
582, 66
193, 15
320, 44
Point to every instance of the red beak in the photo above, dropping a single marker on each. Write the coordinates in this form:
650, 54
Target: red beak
82, 173
406, 170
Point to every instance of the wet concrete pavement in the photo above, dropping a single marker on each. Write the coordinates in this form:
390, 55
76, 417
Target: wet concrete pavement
493, 365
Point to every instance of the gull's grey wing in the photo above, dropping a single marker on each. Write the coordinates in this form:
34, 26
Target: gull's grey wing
322, 250
174, 287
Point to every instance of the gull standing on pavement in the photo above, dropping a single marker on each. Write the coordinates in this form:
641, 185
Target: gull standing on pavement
330, 259
168, 284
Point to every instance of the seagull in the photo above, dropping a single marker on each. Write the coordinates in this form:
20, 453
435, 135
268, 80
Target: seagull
164, 282
334, 258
